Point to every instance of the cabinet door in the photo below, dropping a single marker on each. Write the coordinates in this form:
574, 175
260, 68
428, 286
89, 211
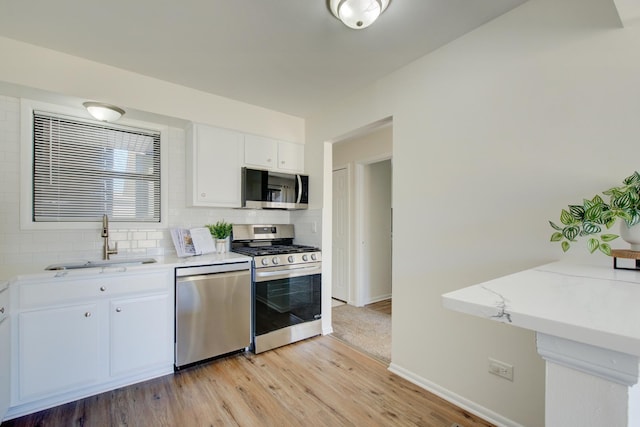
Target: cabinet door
59, 349
141, 334
290, 156
214, 161
260, 151
5, 371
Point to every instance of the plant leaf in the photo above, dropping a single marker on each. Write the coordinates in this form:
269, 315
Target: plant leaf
591, 228
594, 213
597, 200
556, 237
577, 211
565, 246
555, 227
566, 218
605, 249
609, 237
592, 245
571, 232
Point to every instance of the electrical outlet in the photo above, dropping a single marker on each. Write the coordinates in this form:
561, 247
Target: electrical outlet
501, 369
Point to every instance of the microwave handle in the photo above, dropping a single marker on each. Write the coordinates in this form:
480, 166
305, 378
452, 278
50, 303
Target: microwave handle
299, 188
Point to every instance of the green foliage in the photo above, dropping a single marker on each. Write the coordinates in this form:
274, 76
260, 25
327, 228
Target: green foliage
220, 230
595, 215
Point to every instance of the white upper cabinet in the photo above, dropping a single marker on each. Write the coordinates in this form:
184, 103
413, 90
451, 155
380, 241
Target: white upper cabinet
267, 153
214, 158
290, 156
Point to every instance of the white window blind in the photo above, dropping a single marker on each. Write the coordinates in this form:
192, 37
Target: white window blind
84, 169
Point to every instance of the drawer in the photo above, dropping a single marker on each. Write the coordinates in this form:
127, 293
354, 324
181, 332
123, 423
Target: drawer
65, 290
4, 303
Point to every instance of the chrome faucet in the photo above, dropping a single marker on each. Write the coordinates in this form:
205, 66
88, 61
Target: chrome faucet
106, 250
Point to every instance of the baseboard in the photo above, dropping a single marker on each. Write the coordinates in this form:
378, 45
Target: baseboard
454, 398
378, 299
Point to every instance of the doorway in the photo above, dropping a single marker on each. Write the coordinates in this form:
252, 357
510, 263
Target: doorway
362, 241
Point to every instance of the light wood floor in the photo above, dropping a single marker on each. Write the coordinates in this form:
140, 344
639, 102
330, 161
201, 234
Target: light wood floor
381, 306
316, 382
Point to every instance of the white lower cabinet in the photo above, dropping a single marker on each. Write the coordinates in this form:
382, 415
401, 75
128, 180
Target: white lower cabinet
5, 351
79, 336
140, 335
59, 349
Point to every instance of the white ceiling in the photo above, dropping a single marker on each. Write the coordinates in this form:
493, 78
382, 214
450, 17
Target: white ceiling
291, 56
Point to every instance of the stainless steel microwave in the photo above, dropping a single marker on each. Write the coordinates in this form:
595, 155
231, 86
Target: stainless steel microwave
263, 189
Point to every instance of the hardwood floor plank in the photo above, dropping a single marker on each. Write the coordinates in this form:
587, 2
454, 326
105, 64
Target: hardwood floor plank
316, 382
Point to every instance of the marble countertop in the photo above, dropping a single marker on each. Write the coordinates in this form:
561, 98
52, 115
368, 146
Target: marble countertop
14, 273
595, 305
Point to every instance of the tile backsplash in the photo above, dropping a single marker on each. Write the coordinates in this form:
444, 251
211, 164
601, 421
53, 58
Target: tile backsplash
47, 247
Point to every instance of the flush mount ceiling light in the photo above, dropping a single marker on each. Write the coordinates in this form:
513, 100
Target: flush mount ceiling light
358, 14
103, 112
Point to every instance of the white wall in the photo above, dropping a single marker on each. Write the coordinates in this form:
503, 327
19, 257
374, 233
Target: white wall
492, 135
376, 239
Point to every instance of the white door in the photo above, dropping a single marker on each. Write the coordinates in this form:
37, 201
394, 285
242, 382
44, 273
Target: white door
341, 262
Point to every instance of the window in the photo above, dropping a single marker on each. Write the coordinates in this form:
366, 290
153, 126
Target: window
84, 169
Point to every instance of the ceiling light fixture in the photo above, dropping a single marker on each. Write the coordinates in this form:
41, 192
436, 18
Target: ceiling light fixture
103, 112
358, 14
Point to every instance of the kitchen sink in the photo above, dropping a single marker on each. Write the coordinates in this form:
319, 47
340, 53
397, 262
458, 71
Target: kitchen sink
100, 263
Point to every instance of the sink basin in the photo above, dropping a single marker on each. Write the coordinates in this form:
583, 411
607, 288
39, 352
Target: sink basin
100, 263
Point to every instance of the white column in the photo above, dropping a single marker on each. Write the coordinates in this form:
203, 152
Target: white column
588, 386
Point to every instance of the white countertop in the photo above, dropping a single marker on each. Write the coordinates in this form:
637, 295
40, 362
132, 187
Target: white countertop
596, 305
16, 272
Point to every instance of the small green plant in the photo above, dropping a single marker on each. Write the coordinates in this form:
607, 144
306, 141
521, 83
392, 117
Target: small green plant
220, 230
595, 215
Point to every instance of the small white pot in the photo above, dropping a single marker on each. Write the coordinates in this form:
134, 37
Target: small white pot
221, 245
630, 235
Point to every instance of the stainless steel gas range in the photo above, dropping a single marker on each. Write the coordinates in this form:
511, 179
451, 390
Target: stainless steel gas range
286, 284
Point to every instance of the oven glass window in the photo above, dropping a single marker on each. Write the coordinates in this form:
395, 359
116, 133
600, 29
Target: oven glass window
286, 302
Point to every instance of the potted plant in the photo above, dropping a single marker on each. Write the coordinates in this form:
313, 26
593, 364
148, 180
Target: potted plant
221, 231
594, 216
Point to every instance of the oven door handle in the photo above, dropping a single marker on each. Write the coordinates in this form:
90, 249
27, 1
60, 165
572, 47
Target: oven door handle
263, 276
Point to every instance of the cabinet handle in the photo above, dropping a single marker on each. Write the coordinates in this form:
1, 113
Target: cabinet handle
1, 310
269, 160
203, 194
87, 314
282, 162
118, 309
102, 288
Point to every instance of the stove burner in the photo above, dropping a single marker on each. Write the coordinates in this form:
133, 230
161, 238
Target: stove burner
273, 249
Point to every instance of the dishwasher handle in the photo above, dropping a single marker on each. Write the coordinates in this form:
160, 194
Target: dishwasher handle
196, 278
213, 269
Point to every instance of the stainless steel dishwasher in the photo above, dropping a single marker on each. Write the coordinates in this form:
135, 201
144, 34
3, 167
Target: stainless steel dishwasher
213, 311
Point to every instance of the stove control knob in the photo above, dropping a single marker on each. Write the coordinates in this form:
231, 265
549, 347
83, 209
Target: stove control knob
291, 258
265, 261
275, 260
314, 257
305, 258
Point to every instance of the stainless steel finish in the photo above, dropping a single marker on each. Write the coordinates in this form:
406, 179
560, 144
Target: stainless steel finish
287, 261
1, 310
103, 263
258, 232
106, 250
212, 269
299, 190
102, 288
213, 311
275, 205
87, 314
284, 271
118, 309
287, 335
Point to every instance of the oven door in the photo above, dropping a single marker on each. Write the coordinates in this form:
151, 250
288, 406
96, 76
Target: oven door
286, 296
